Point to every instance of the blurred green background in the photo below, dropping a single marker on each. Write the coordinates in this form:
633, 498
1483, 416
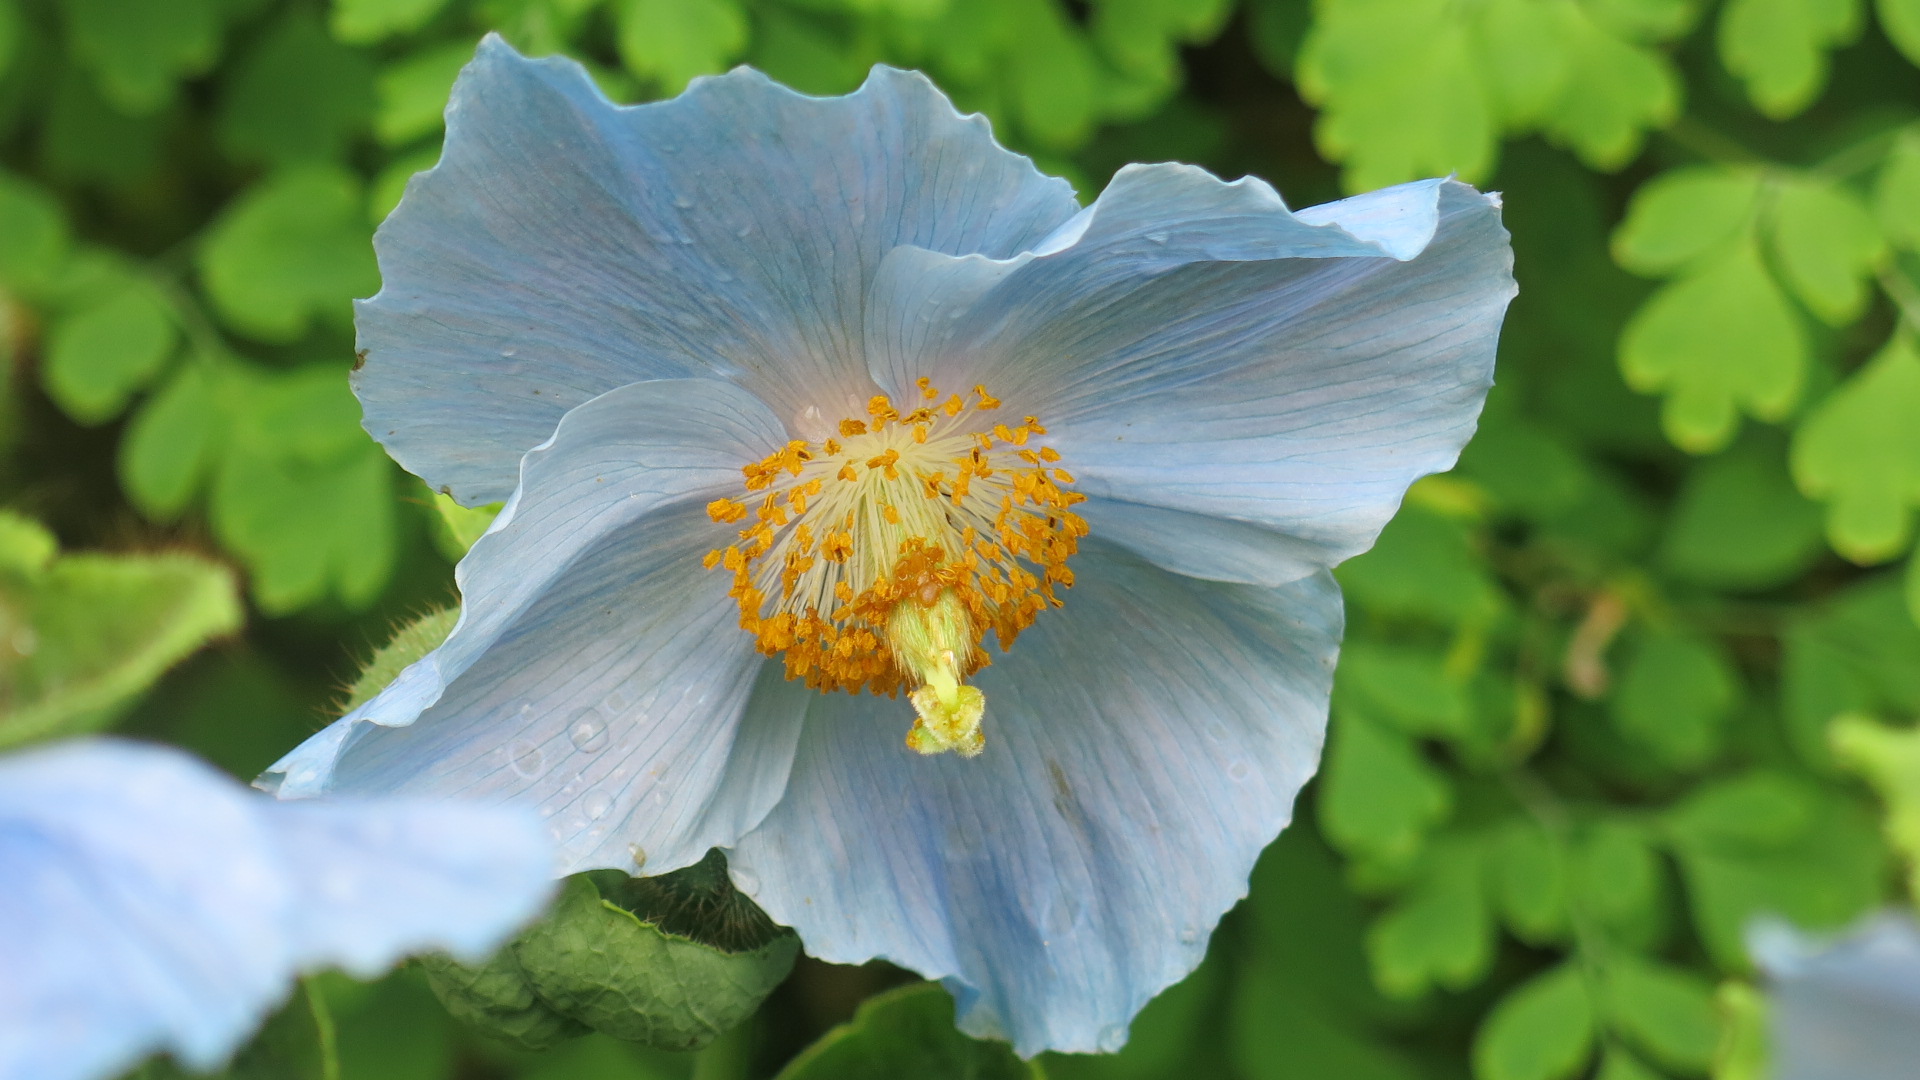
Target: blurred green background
1584, 725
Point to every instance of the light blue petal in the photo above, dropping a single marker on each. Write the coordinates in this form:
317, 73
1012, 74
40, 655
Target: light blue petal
598, 671
151, 903
1144, 743
564, 246
1847, 1009
1214, 367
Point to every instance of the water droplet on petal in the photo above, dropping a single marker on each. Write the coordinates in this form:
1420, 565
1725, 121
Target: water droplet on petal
597, 804
589, 731
616, 702
526, 759
1239, 771
1217, 731
1157, 237
639, 856
683, 203
1113, 1037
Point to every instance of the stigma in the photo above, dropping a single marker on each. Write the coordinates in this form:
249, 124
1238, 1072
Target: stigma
878, 561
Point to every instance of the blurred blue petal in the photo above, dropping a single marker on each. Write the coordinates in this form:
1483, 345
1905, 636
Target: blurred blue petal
1245, 393
151, 903
564, 247
1845, 1009
598, 672
1148, 740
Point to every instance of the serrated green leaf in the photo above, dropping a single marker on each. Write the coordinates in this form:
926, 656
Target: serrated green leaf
1859, 452
367, 21
295, 96
84, 634
1684, 215
33, 233
1051, 78
602, 966
905, 1032
171, 443
1779, 48
1400, 89
1675, 695
1666, 1011
1379, 796
83, 138
1827, 245
1530, 877
414, 92
1616, 93
1901, 21
290, 249
138, 50
1543, 1030
1896, 192
1440, 932
99, 354
1276, 29
671, 41
1718, 341
1739, 523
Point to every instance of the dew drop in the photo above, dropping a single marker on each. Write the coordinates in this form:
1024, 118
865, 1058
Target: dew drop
1112, 1038
509, 352
616, 702
1217, 731
1157, 237
639, 856
683, 203
526, 759
1238, 771
588, 731
742, 231
597, 804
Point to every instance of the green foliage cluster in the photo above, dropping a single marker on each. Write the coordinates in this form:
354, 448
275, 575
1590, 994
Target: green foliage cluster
1584, 725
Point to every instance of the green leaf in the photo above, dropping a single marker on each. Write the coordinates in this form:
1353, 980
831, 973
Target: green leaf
411, 642
456, 527
599, 964
1717, 341
138, 50
1616, 875
290, 249
1896, 192
1827, 245
1051, 77
9, 33
1424, 566
392, 182
1826, 877
1779, 47
1666, 1011
295, 96
1617, 92
1759, 810
367, 21
1527, 70
1644, 20
1616, 1063
1684, 215
1543, 1030
414, 92
85, 634
1674, 698
671, 41
1739, 523
99, 354
1889, 760
1859, 451
172, 442
1410, 688
1530, 880
1400, 91
1742, 1053
1901, 21
295, 1043
1440, 932
33, 233
901, 1033
1913, 587
1380, 796
497, 999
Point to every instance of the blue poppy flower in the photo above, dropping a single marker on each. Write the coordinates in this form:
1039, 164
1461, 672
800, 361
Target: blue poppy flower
1846, 1008
149, 903
805, 409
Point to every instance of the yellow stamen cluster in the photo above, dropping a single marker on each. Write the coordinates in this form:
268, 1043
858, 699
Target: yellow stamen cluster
881, 558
